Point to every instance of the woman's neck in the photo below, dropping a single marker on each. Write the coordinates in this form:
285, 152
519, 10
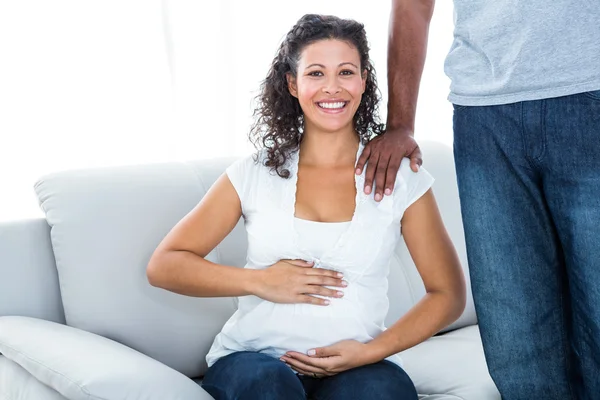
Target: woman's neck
329, 149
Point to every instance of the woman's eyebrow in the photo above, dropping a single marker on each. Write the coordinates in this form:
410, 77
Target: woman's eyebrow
339, 65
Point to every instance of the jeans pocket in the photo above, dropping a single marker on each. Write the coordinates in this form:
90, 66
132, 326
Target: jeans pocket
594, 94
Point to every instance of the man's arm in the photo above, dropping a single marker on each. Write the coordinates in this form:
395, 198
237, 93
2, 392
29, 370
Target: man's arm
407, 47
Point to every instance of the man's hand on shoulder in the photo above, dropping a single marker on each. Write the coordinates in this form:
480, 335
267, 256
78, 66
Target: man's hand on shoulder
384, 155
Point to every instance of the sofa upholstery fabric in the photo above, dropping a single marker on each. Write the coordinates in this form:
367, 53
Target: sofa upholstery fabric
82, 366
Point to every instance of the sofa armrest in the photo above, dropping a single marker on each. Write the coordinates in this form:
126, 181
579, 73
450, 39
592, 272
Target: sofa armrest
28, 275
16, 383
82, 366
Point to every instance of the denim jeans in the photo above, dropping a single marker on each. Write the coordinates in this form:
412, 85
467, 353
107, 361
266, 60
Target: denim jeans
255, 376
529, 184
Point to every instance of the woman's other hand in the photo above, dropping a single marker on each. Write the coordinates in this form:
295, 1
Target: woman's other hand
330, 360
296, 281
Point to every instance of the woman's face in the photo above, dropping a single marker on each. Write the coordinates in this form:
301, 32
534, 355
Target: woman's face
329, 84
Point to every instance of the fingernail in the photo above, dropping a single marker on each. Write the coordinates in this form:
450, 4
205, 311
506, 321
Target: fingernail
340, 294
282, 359
340, 275
367, 189
418, 167
326, 302
388, 191
344, 283
357, 171
311, 352
377, 197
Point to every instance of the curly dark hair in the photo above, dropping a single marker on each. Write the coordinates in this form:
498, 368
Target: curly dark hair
279, 119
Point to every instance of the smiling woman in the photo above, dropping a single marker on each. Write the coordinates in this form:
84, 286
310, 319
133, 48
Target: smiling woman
332, 89
300, 88
313, 292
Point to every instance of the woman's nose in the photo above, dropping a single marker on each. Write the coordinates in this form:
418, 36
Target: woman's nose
332, 87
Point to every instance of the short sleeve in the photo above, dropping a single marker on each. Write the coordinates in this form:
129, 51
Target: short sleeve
416, 184
240, 174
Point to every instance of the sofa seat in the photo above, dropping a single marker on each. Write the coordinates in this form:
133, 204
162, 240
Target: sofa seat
451, 367
448, 367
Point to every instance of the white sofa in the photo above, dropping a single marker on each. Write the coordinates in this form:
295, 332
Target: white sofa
78, 319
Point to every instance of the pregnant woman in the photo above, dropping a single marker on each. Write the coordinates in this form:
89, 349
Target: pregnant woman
313, 293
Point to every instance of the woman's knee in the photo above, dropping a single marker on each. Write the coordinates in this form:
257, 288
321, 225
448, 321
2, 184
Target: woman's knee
383, 380
250, 375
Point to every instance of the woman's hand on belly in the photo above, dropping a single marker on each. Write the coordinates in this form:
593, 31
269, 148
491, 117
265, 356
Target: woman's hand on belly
296, 281
330, 360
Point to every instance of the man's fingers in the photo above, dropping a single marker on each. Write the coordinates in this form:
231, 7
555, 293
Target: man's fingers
392, 172
369, 175
382, 166
362, 160
390, 176
416, 159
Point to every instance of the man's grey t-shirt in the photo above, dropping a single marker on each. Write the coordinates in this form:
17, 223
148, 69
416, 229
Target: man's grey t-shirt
506, 51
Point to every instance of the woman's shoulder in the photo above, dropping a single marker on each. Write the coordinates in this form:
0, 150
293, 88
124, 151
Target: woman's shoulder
410, 185
406, 176
248, 163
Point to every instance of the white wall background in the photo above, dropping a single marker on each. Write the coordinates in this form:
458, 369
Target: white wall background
88, 84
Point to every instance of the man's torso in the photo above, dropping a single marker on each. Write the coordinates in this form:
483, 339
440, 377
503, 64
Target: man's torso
506, 51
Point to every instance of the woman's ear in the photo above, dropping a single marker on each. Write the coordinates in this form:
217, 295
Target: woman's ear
364, 80
291, 81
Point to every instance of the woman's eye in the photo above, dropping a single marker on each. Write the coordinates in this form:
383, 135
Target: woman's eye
347, 72
315, 73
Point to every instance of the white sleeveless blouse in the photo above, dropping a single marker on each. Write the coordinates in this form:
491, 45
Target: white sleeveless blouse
361, 250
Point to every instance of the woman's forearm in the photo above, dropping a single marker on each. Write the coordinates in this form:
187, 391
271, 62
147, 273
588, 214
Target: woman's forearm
435, 311
189, 274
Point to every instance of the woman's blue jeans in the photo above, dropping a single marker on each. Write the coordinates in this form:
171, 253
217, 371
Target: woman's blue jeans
529, 183
255, 376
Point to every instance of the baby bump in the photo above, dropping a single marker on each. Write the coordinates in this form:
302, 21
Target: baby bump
277, 328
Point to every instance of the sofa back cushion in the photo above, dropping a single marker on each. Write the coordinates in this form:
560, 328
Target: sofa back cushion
406, 287
106, 223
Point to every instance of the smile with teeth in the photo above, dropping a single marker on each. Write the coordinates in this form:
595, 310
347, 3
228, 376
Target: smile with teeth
333, 106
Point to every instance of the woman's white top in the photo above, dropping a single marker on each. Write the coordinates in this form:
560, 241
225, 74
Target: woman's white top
361, 249
318, 237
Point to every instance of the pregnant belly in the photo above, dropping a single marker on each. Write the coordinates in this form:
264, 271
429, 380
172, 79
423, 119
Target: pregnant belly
277, 328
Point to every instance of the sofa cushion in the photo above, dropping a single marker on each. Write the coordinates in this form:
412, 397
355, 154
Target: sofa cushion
81, 366
105, 225
451, 366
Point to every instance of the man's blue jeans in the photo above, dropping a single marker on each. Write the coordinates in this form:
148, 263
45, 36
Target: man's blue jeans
529, 183
255, 376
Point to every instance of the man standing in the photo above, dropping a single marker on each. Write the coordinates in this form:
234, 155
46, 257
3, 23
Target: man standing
526, 93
